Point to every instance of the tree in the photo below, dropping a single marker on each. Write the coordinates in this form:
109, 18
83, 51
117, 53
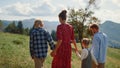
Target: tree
11, 28
20, 27
1, 26
79, 18
26, 31
53, 34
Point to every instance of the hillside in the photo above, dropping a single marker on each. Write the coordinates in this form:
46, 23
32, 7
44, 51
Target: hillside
112, 29
14, 53
28, 23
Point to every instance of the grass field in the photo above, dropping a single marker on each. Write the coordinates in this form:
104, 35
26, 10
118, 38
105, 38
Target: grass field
14, 53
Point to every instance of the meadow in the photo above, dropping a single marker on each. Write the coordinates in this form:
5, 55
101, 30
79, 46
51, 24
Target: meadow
14, 53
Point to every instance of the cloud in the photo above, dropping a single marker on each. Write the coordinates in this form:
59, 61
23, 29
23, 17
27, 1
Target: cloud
117, 2
105, 14
25, 9
17, 9
51, 8
0, 10
44, 9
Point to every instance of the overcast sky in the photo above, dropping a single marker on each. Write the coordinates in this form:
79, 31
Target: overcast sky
49, 9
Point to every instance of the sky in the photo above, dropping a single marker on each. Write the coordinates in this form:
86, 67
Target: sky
49, 9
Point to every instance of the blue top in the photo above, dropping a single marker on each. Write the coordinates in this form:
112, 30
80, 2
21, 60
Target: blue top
99, 46
38, 42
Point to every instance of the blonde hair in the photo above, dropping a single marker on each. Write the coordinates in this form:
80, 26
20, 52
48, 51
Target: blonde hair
37, 23
86, 41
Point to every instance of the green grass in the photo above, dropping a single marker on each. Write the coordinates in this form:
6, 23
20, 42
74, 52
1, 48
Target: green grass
14, 53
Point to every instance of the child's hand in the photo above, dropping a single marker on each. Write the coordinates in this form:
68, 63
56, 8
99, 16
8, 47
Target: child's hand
78, 54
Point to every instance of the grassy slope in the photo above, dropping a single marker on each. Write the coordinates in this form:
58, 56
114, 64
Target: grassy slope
14, 53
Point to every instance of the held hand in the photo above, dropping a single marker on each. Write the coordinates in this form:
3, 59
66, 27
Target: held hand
53, 53
76, 51
32, 56
78, 54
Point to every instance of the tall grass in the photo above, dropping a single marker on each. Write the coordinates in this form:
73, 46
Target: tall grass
14, 53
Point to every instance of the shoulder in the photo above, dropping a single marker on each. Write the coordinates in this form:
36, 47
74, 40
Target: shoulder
59, 26
100, 34
69, 25
105, 34
43, 30
32, 31
84, 51
97, 35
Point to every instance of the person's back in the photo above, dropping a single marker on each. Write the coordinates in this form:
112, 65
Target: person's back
66, 31
101, 55
86, 54
62, 51
87, 62
99, 45
38, 43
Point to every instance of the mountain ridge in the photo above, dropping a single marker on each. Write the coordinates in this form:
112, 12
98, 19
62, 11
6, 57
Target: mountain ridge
112, 29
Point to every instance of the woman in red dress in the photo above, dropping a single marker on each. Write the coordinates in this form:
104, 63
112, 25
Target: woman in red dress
62, 52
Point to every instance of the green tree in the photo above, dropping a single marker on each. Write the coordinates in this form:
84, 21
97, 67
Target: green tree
11, 28
20, 27
26, 31
80, 18
53, 34
1, 26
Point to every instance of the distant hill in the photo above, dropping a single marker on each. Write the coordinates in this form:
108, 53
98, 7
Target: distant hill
49, 25
28, 23
112, 29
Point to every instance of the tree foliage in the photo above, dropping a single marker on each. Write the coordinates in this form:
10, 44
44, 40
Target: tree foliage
11, 28
81, 18
17, 28
20, 27
53, 34
1, 26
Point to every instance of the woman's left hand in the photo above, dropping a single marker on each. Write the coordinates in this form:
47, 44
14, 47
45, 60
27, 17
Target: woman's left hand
53, 53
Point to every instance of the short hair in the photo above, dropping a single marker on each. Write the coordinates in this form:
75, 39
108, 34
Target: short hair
37, 21
86, 41
94, 25
63, 15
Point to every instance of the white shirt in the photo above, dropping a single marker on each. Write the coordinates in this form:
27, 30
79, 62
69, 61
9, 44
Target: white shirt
84, 54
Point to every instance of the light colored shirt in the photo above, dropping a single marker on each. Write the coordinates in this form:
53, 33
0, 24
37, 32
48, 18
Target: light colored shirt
99, 46
84, 55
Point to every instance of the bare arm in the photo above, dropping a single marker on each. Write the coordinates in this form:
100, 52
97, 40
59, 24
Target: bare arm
58, 44
74, 42
53, 53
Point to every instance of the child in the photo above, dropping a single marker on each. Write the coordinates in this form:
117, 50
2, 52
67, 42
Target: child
86, 55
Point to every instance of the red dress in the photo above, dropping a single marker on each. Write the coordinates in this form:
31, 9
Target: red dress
62, 59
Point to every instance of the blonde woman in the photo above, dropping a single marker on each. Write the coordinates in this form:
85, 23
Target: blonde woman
38, 43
